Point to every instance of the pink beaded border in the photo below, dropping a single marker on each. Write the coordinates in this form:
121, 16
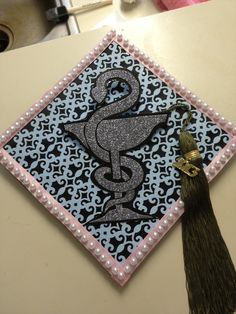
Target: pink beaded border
120, 273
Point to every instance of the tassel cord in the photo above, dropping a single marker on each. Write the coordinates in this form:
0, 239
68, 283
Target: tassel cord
210, 273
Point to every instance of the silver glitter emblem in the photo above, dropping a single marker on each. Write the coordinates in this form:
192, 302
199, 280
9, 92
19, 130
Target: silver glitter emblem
108, 137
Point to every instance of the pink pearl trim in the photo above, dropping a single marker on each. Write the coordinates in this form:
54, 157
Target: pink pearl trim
120, 272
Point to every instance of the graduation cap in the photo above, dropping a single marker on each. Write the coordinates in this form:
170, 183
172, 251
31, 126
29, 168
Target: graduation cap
118, 151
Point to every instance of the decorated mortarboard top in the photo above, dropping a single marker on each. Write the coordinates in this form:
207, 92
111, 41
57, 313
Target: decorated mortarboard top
97, 151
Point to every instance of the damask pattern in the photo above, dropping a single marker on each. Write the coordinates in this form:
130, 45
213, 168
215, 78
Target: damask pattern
63, 167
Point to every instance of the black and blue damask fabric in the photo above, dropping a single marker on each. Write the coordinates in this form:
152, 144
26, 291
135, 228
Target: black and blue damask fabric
64, 168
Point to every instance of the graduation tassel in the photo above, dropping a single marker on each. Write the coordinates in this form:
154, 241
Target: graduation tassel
210, 273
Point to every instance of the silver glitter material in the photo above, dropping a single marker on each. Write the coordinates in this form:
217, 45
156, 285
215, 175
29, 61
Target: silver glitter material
121, 214
123, 134
106, 136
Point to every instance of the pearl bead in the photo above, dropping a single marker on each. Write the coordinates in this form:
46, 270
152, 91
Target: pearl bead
131, 47
78, 233
96, 51
17, 124
222, 121
141, 56
26, 182
208, 176
211, 112
10, 165
136, 52
108, 264
133, 261
119, 37
105, 40
139, 255
177, 86
22, 120
91, 55
7, 132
146, 59
165, 223
27, 114
39, 193
155, 235
120, 276
44, 199
172, 81
2, 138
84, 238
101, 46
66, 221
16, 171
205, 107
176, 210
49, 205
97, 251
156, 68
216, 116
87, 59
227, 152
218, 164
229, 125
4, 160
212, 170
199, 103
60, 84
127, 269
151, 64
170, 216
12, 128
72, 227
144, 248
114, 270
233, 147
183, 90
194, 99
188, 94
159, 229
32, 110
91, 245
61, 216
126, 43
234, 131
21, 177
150, 240
162, 73
55, 210
109, 35
167, 77
223, 158
32, 187
181, 204
102, 258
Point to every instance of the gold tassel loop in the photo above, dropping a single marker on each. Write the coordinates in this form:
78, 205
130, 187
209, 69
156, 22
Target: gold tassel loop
192, 155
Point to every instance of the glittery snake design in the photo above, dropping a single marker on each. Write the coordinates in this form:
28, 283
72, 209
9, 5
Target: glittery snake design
106, 138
